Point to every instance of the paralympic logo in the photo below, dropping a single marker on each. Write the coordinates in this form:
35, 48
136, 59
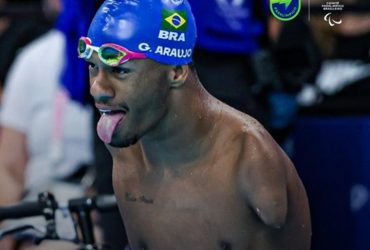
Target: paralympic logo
285, 10
331, 21
330, 8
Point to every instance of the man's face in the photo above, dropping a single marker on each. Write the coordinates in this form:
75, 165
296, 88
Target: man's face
131, 96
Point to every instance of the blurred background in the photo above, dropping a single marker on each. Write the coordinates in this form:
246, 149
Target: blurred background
306, 80
331, 130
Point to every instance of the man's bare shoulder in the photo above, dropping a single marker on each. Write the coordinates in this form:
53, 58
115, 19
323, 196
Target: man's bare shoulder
261, 168
250, 132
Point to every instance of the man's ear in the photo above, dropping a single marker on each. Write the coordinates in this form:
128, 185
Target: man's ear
178, 75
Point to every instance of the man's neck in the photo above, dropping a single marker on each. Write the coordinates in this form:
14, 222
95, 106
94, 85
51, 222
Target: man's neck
184, 133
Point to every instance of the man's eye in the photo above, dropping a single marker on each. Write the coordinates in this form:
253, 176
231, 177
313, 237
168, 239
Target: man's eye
119, 70
91, 65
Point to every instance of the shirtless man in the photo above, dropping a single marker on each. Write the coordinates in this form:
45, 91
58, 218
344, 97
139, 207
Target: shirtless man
189, 171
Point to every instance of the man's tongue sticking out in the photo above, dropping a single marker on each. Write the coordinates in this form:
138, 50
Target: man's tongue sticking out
107, 125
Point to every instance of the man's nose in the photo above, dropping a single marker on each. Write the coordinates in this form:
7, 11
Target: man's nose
100, 88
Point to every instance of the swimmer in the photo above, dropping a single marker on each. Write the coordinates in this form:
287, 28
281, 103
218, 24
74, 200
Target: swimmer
189, 172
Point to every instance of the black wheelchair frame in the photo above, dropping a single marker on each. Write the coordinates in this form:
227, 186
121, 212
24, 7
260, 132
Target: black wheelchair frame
46, 206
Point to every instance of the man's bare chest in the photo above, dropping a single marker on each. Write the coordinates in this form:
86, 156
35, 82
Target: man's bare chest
202, 208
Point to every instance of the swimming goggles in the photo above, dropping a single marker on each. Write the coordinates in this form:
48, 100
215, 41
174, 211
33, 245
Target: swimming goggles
110, 54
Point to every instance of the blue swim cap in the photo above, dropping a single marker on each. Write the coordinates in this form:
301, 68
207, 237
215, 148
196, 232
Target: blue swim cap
164, 30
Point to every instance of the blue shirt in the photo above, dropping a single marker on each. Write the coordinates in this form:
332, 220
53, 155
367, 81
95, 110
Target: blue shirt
227, 26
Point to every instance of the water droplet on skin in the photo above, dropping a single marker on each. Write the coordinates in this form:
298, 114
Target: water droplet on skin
258, 211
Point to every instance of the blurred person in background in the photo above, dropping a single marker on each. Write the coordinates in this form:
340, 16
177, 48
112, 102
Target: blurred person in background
266, 63
296, 60
46, 142
341, 86
335, 108
236, 31
21, 21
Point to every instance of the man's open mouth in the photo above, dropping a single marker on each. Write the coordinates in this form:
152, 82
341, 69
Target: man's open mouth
108, 122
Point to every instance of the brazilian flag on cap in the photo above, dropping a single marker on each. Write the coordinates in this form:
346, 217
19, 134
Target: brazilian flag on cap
174, 20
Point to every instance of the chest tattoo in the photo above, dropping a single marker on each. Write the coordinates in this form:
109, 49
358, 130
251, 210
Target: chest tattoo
142, 198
